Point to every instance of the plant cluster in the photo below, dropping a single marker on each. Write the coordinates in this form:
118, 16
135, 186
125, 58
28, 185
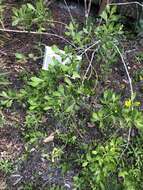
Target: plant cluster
102, 39
5, 166
114, 121
113, 113
31, 15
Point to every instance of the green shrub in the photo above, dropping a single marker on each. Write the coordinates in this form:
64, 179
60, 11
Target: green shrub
5, 166
99, 165
30, 15
101, 38
114, 114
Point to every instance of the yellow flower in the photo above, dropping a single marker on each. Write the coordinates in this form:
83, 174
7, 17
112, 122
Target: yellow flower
128, 103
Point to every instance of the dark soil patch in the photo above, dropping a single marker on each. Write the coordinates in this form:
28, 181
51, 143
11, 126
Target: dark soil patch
11, 145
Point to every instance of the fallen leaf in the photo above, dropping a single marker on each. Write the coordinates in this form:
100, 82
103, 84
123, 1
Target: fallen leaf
3, 185
50, 138
90, 125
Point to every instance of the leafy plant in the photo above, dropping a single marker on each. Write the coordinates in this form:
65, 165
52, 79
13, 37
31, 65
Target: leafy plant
28, 186
98, 165
108, 33
80, 37
100, 38
3, 79
56, 187
139, 56
56, 154
52, 88
2, 120
139, 21
5, 166
7, 98
21, 58
131, 170
138, 75
113, 113
32, 136
31, 15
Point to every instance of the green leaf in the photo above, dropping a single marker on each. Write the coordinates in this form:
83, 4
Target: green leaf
30, 6
95, 117
75, 75
70, 108
57, 94
123, 174
94, 152
15, 22
4, 94
19, 56
104, 16
84, 164
68, 81
35, 81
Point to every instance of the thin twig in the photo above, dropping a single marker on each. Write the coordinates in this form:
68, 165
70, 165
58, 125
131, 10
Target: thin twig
127, 3
91, 46
126, 69
69, 11
128, 142
87, 8
37, 33
89, 66
2, 52
2, 24
132, 93
58, 22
